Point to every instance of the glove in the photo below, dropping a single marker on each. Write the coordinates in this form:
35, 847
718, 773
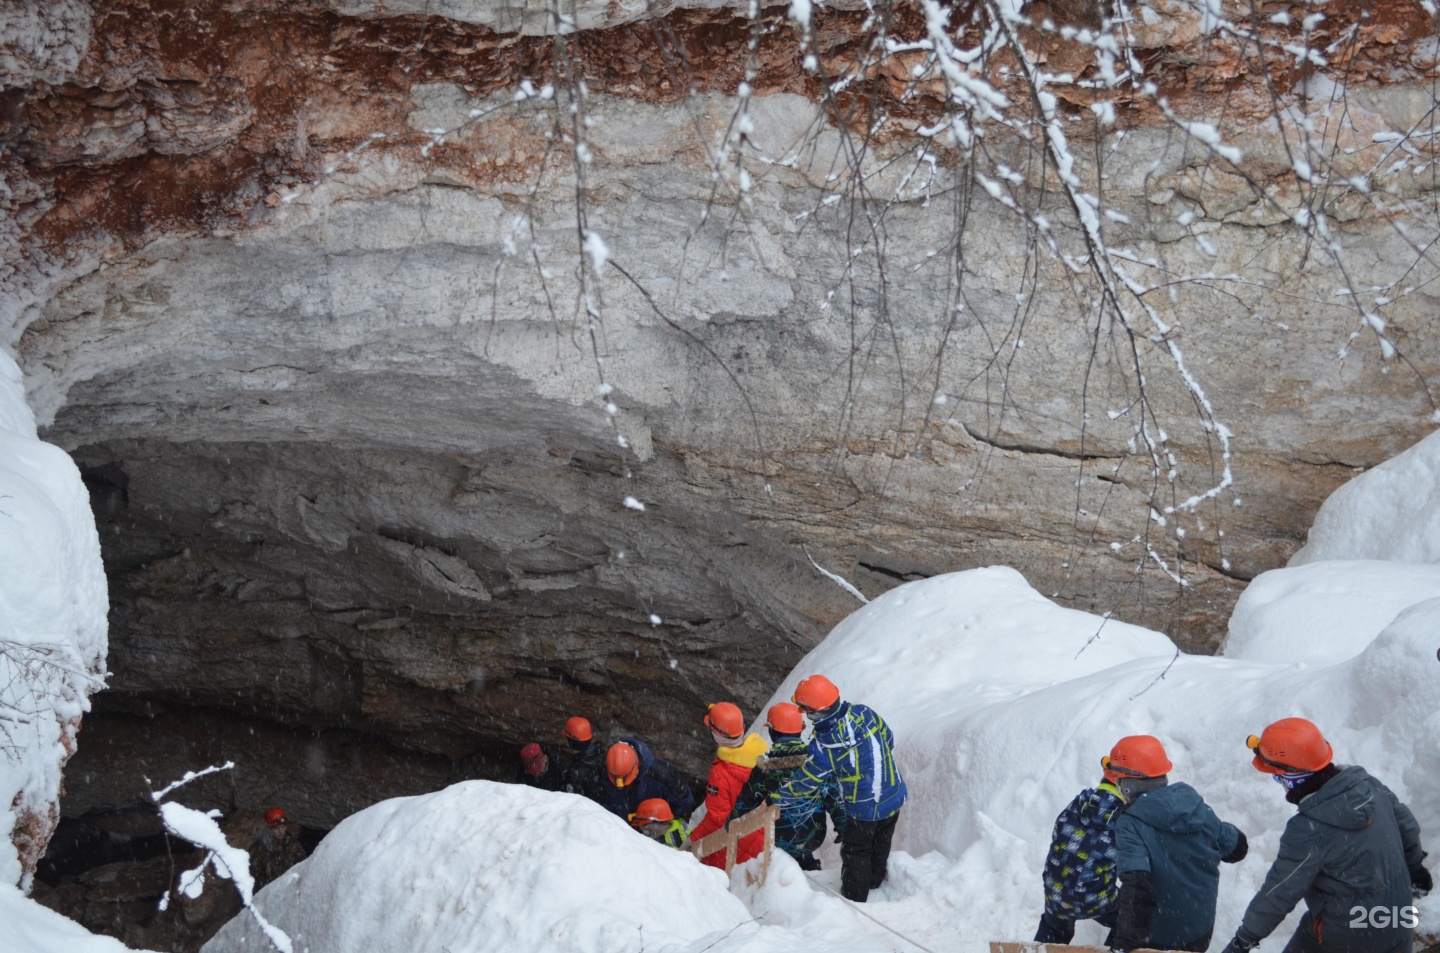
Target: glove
1421, 882
1243, 942
1242, 847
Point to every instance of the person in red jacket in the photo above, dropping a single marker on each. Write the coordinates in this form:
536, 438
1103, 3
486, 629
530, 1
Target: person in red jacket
731, 792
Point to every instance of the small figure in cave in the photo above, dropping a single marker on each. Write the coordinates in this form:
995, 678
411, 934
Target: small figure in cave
733, 788
538, 769
276, 850
800, 828
585, 775
634, 774
655, 821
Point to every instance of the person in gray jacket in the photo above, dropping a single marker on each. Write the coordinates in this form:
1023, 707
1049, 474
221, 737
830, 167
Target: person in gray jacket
1168, 849
1352, 851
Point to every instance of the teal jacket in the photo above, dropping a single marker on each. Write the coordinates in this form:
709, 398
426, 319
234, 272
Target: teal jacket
852, 747
1173, 833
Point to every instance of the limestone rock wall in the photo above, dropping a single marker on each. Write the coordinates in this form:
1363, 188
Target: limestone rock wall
312, 299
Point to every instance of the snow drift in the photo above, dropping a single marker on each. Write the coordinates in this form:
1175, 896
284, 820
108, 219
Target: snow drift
486, 866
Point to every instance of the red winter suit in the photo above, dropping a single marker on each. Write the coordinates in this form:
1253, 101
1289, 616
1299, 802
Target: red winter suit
729, 773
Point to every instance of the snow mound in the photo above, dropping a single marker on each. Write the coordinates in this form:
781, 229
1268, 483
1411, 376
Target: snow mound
1324, 612
53, 608
487, 866
1391, 512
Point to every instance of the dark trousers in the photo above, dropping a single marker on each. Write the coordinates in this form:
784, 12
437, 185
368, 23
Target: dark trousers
1055, 929
864, 853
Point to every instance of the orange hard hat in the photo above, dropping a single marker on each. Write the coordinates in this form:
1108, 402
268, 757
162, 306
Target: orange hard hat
577, 729
1136, 756
275, 815
1290, 746
652, 809
622, 764
785, 719
724, 718
815, 693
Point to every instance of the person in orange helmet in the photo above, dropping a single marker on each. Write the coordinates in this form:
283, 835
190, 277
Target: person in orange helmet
655, 820
853, 747
276, 850
585, 774
1168, 849
800, 829
634, 774
734, 787
1351, 846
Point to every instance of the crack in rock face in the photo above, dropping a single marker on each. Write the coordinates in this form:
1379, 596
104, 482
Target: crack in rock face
409, 424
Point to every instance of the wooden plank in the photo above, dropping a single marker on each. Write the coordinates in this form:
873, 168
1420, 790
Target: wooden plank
1033, 947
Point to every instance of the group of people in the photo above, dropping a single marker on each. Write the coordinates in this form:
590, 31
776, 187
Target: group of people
1142, 856
846, 771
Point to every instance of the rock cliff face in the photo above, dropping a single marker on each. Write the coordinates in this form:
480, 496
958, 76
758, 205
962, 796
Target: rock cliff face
428, 398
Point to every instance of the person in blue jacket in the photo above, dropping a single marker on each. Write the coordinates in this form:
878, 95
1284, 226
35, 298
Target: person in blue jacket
1079, 876
635, 774
1168, 849
800, 828
853, 747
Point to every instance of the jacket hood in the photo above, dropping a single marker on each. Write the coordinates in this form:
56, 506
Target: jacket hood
1177, 808
1347, 801
744, 754
647, 757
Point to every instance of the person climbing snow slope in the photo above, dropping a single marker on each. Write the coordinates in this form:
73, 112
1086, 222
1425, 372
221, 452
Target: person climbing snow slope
800, 828
1079, 876
853, 747
634, 774
1168, 848
733, 788
1351, 846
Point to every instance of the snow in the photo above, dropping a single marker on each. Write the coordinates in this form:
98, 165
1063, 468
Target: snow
53, 607
1391, 512
487, 866
35, 929
1326, 612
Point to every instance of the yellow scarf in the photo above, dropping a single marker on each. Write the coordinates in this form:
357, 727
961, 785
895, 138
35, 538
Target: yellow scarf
744, 754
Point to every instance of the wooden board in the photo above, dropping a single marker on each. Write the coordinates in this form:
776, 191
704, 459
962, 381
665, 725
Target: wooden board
1033, 947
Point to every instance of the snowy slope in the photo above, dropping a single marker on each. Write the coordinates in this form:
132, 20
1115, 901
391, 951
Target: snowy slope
53, 607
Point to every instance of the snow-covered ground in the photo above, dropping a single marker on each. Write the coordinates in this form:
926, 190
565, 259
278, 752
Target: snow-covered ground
1003, 704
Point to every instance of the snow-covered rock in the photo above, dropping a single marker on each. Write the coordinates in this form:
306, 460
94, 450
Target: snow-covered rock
1391, 512
486, 866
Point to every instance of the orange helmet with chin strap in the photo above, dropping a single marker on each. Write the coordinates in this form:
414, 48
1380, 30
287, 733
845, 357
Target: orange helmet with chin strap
1136, 756
785, 719
725, 719
1290, 746
815, 693
622, 764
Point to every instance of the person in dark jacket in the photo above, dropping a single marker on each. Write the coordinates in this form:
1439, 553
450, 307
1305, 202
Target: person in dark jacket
1079, 876
1168, 849
800, 828
276, 850
635, 774
654, 819
1352, 845
585, 774
539, 769
853, 747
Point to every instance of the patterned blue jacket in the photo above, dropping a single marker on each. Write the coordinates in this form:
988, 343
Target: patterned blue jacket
801, 825
854, 748
1079, 876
